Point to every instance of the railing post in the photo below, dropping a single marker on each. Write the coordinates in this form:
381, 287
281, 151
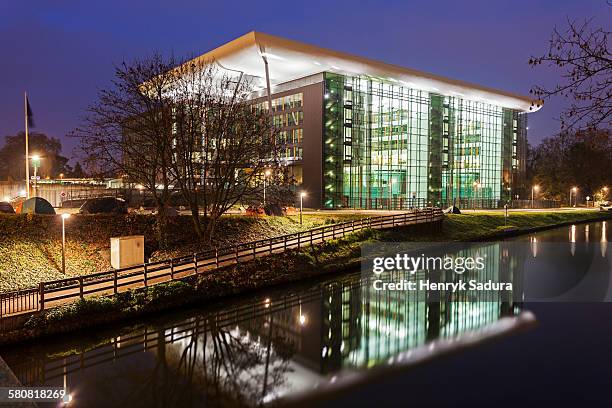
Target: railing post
311, 237
195, 262
171, 269
115, 281
236, 253
270, 246
81, 287
145, 275
254, 251
41, 295
216, 257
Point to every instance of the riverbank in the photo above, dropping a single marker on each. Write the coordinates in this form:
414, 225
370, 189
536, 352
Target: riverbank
335, 256
30, 245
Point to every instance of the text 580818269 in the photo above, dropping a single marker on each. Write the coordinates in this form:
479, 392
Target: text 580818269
33, 394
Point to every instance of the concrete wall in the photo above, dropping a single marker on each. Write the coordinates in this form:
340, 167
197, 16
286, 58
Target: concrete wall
52, 192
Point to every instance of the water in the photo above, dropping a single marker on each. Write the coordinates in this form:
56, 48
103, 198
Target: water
326, 337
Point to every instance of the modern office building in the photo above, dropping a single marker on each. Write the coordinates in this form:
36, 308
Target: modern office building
359, 133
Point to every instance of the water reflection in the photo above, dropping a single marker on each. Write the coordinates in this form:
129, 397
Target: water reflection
257, 351
253, 352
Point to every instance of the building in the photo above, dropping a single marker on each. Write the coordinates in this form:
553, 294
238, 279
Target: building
358, 133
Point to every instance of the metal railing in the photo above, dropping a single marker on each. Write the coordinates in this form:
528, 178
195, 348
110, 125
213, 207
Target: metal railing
53, 293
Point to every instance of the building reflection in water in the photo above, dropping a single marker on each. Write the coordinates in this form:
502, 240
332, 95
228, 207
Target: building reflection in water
255, 352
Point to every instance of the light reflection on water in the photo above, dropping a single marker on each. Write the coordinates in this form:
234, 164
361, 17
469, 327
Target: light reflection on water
255, 351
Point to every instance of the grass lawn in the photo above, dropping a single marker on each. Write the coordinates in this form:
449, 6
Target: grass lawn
30, 249
466, 227
30, 246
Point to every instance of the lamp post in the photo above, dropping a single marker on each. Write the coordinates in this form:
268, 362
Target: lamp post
302, 195
266, 174
36, 165
605, 190
64, 218
475, 185
533, 189
573, 190
390, 193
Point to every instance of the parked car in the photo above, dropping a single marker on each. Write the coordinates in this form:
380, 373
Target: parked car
104, 205
6, 208
605, 206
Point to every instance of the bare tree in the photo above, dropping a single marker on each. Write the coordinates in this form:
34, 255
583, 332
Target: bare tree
581, 54
189, 125
127, 131
222, 144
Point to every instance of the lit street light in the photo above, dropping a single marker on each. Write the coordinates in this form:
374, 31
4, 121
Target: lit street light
302, 195
573, 190
533, 188
64, 218
266, 174
36, 164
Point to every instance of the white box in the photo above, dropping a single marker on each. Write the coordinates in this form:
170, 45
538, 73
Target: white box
127, 251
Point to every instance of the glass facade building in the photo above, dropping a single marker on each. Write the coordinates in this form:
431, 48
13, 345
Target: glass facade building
358, 133
387, 145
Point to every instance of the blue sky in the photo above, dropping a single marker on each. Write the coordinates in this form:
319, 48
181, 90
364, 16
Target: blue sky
62, 52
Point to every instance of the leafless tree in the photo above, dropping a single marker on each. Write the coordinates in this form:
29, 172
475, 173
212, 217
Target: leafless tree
127, 131
222, 144
189, 125
581, 53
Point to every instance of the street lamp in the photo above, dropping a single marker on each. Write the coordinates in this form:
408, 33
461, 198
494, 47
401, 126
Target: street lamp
36, 164
64, 218
266, 174
302, 195
573, 190
533, 188
390, 194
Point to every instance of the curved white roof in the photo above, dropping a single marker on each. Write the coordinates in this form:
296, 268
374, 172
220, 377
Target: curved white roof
289, 60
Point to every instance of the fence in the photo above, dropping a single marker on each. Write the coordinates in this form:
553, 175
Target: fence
60, 291
534, 204
491, 203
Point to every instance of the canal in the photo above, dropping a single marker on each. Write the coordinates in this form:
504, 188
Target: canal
338, 342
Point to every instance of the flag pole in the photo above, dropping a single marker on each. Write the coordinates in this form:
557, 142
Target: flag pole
27, 154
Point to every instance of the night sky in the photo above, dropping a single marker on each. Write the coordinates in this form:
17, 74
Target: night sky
61, 52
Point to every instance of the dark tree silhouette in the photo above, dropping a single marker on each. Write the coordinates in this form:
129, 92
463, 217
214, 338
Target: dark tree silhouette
12, 156
127, 132
573, 159
581, 54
